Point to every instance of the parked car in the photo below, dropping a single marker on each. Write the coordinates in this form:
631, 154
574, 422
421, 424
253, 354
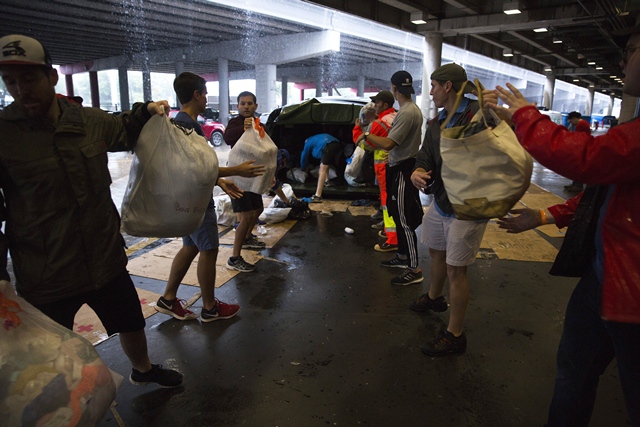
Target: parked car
290, 126
213, 131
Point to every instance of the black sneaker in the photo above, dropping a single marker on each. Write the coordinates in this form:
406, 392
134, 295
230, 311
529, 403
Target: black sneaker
240, 265
253, 243
424, 304
316, 199
395, 262
163, 377
408, 278
378, 225
445, 343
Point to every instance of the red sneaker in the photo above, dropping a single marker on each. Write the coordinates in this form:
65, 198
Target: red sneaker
175, 308
220, 311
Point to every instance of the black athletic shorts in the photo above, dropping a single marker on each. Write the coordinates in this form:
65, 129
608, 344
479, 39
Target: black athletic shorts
117, 305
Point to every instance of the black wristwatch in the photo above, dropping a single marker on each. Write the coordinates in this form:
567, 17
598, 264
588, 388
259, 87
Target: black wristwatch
366, 134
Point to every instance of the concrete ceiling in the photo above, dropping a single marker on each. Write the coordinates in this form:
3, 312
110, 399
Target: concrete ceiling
480, 26
132, 32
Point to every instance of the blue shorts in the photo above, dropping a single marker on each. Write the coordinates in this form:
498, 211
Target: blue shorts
205, 238
248, 202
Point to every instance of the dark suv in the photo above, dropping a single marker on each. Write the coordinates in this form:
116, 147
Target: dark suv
291, 125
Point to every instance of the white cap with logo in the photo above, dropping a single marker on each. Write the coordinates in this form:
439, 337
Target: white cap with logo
22, 50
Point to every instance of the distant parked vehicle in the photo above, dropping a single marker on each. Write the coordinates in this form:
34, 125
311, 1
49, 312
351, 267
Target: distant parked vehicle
213, 131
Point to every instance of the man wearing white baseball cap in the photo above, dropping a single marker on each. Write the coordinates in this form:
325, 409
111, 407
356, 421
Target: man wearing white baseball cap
62, 228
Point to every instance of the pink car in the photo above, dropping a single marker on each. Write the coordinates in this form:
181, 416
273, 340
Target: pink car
213, 131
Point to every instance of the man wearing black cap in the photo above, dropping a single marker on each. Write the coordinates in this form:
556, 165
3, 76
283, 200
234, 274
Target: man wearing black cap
384, 116
62, 227
403, 200
602, 319
453, 244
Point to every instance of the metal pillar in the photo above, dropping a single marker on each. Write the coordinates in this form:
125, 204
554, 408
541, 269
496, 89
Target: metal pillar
549, 88
432, 59
223, 90
266, 87
146, 82
95, 89
123, 81
285, 90
68, 79
360, 85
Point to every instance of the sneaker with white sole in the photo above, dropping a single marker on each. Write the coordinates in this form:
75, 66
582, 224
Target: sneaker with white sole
385, 247
220, 311
407, 278
316, 199
159, 375
175, 308
240, 265
253, 243
395, 263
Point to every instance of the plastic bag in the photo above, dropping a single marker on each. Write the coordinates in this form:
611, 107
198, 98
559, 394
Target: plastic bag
354, 163
224, 211
171, 181
297, 174
255, 144
49, 375
274, 215
288, 191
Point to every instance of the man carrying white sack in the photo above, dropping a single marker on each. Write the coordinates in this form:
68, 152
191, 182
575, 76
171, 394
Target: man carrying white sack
251, 144
62, 227
191, 90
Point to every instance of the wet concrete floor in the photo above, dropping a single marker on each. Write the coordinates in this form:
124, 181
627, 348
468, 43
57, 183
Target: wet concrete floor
323, 339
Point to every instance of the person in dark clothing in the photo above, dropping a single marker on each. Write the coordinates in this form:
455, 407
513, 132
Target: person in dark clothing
62, 227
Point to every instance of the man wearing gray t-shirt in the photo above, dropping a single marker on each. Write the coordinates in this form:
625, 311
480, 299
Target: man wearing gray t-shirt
403, 200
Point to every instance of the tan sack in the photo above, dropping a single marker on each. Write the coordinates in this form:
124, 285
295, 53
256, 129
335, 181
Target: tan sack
486, 173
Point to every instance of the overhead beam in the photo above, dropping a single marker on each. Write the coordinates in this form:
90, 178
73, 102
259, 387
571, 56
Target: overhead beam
494, 23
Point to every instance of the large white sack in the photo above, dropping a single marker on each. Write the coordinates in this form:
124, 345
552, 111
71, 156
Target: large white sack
254, 146
171, 181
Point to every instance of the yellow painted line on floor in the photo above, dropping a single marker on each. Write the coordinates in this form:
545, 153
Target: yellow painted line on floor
140, 245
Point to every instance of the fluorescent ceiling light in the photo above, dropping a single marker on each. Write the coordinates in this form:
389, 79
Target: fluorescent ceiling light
547, 68
613, 77
507, 52
591, 63
418, 18
576, 80
581, 56
598, 68
555, 40
511, 8
539, 30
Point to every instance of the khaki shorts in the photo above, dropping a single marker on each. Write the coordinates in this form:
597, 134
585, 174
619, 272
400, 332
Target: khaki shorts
460, 239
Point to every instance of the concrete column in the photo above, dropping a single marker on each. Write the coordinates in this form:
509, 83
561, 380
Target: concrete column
146, 81
223, 90
610, 107
285, 90
628, 108
432, 59
68, 80
123, 80
266, 87
95, 89
590, 98
179, 70
360, 85
319, 84
549, 87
